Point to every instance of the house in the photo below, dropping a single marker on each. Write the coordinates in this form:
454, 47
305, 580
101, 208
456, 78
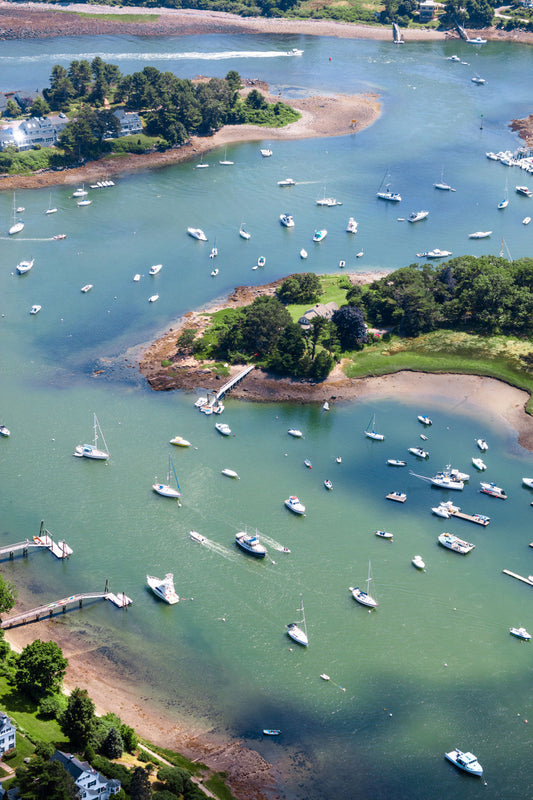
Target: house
91, 784
41, 131
427, 9
130, 122
7, 734
319, 310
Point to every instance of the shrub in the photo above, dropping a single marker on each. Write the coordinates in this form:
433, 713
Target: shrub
166, 362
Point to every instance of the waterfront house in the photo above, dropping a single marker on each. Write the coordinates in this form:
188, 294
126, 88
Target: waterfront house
427, 10
130, 122
42, 131
7, 734
319, 310
91, 784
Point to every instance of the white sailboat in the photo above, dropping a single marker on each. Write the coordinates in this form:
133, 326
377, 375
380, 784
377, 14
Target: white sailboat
385, 193
442, 185
365, 598
243, 233
370, 432
17, 225
505, 202
165, 489
225, 162
298, 630
50, 209
92, 450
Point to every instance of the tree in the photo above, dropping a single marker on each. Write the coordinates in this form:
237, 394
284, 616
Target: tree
264, 321
8, 595
39, 107
350, 324
80, 76
288, 351
77, 138
61, 90
78, 721
140, 787
301, 288
113, 746
45, 780
234, 80
12, 110
255, 100
40, 669
321, 366
129, 738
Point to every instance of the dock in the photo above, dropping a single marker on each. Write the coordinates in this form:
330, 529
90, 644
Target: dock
59, 549
517, 577
479, 519
231, 383
398, 497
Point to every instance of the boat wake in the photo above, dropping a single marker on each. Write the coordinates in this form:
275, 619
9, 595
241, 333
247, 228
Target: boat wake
272, 543
151, 57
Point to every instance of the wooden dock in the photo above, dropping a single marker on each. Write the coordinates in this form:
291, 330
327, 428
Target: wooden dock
518, 577
479, 519
231, 383
58, 549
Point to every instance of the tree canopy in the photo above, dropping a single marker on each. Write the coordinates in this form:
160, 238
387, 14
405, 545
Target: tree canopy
78, 721
40, 669
303, 287
41, 779
8, 595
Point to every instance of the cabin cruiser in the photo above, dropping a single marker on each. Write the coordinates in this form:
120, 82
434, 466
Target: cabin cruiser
482, 444
35, 309
266, 152
493, 490
293, 504
223, 428
295, 432
454, 543
286, 220
477, 79
416, 216
445, 480
197, 233
24, 266
520, 633
524, 191
424, 419
163, 588
479, 235
179, 441
445, 509
155, 269
351, 227
465, 761
154, 298
479, 464
396, 462
436, 253
4, 431
197, 537
250, 544
528, 482
418, 562
86, 288
386, 194
287, 182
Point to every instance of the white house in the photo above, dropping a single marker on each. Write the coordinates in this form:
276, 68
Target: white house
7, 734
130, 122
91, 784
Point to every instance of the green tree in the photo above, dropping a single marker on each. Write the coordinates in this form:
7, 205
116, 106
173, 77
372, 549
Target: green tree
78, 721
234, 80
113, 746
300, 288
80, 75
350, 324
12, 110
289, 349
264, 322
140, 787
39, 107
61, 90
129, 737
255, 100
8, 595
77, 139
45, 780
40, 669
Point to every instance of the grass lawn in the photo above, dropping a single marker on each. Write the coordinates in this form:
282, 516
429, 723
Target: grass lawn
23, 713
334, 288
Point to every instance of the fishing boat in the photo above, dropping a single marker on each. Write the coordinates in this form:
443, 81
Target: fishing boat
479, 235
479, 463
179, 441
297, 434
286, 220
424, 419
17, 225
328, 484
493, 491
293, 504
155, 269
4, 430
35, 309
465, 761
197, 233
230, 473
352, 225
418, 452
250, 544
385, 193
385, 535
24, 266
482, 444
287, 182
92, 450
369, 431
445, 480
452, 542
303, 253
319, 235
416, 216
223, 428
396, 462
163, 588
86, 288
418, 562
328, 201
364, 597
520, 633
165, 489
243, 233
197, 537
298, 630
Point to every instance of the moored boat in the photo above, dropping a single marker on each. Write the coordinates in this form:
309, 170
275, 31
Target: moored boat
297, 434
4, 431
424, 419
92, 450
153, 298
86, 288
155, 268
482, 444
418, 452
528, 482
396, 462
179, 441
416, 216
352, 225
520, 633
223, 428
24, 266
385, 535
197, 233
243, 233
293, 504
364, 597
328, 484
286, 220
165, 489
452, 542
493, 490
230, 473
369, 431
303, 253
436, 253
298, 630
418, 562
523, 190
35, 309
163, 588
479, 235
465, 761
479, 464
319, 235
271, 732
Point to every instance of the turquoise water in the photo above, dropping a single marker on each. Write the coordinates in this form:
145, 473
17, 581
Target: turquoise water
434, 667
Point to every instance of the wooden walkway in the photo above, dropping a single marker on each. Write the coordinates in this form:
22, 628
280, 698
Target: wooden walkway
231, 383
59, 549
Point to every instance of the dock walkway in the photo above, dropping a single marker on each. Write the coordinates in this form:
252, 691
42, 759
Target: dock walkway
479, 519
58, 549
230, 384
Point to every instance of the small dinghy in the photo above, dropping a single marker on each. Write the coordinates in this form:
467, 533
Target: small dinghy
418, 562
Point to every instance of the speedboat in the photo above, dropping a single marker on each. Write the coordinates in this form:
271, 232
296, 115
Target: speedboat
465, 761
436, 253
295, 432
424, 419
86, 288
418, 562
328, 484
287, 182
319, 235
295, 52
180, 441
477, 79
479, 235
197, 537
223, 428
155, 269
528, 482
243, 233
265, 152
35, 309
286, 220
454, 543
163, 588
520, 633
153, 298
418, 452
342, 263
524, 191
477, 40
416, 216
230, 473
493, 490
479, 464
395, 462
293, 504
482, 444
250, 544
351, 227
24, 266
385, 535
303, 253
82, 203
526, 220
197, 233
4, 431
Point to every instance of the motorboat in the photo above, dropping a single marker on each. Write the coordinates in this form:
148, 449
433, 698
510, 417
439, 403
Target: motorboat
24, 266
528, 482
520, 633
445, 480
418, 452
200, 402
360, 254
493, 490
339, 460
92, 450
325, 406
82, 203
308, 463
250, 544
286, 220
503, 204
319, 235
423, 437
60, 236
230, 473
271, 732
155, 269
328, 484
445, 509
303, 253
328, 201
523, 190
352, 225
295, 432
526, 220
477, 79
452, 542
385, 535
261, 261
86, 288
223, 428
342, 263
418, 562
482, 444
458, 475
214, 252
214, 272
163, 588
265, 152
479, 235
295, 52
179, 441
165, 489
477, 40
479, 464
197, 537
396, 462
436, 253
369, 431
81, 191
243, 233
416, 216
4, 430
465, 761
35, 309
424, 419
398, 497
153, 298
364, 597
287, 182
453, 58
293, 504
197, 233
298, 630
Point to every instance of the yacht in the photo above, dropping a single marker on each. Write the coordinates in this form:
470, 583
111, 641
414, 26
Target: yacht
479, 464
364, 597
24, 266
479, 235
370, 432
197, 233
250, 544
328, 201
454, 543
445, 480
295, 432
493, 490
92, 450
524, 191
293, 504
351, 227
298, 630
520, 633
319, 235
418, 562
223, 428
436, 253
225, 162
165, 489
445, 509
35, 309
155, 269
385, 193
17, 225
416, 216
286, 220
443, 185
287, 182
163, 588
465, 761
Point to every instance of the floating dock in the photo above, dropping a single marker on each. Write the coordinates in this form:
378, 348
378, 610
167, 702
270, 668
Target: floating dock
479, 519
58, 549
518, 577
397, 497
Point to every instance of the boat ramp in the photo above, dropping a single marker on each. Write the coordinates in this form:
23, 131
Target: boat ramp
58, 549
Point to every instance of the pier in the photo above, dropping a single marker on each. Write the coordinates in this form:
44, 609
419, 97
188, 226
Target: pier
58, 549
230, 384
479, 519
49, 610
517, 577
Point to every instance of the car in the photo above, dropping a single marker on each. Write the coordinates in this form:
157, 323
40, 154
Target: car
63, 116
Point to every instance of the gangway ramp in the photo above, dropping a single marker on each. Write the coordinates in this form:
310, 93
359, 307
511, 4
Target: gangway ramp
231, 383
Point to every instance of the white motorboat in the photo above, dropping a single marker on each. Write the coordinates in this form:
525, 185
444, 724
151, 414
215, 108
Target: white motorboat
81, 191
478, 79
287, 182
303, 253
24, 266
503, 204
352, 226
293, 504
328, 201
261, 261
286, 220
17, 225
319, 235
197, 537
328, 484
298, 630
493, 491
385, 535
266, 152
418, 562
155, 269
453, 58
436, 253
452, 542
364, 597
223, 428
214, 272
86, 288
369, 431
82, 203
325, 406
137, 277
163, 588
523, 190
479, 463
4, 431
165, 489
482, 444
479, 235
35, 309
92, 450
528, 482
526, 220
424, 419
197, 233
445, 480
445, 509
153, 298
520, 633
477, 40
396, 462
295, 52
243, 233
200, 402
230, 473
418, 452
179, 441
416, 216
398, 497
250, 544
465, 761
295, 432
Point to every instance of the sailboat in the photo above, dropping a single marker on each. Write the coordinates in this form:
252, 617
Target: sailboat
505, 202
365, 598
442, 185
92, 450
202, 164
165, 489
225, 162
17, 225
297, 633
370, 432
50, 210
385, 193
